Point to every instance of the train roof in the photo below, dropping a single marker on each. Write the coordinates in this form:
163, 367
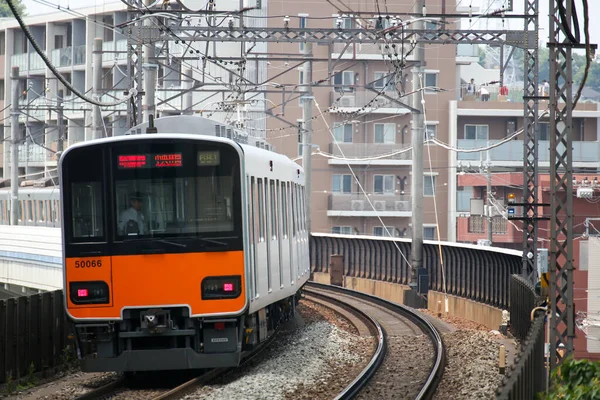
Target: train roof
196, 125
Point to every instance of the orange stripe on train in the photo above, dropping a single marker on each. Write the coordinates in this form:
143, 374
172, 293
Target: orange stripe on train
155, 280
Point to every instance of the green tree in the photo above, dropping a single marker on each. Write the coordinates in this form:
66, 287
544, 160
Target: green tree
575, 380
5, 11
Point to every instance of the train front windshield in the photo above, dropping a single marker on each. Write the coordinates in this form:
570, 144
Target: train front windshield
153, 189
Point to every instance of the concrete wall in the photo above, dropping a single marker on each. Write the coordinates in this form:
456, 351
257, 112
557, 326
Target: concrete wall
31, 257
483, 314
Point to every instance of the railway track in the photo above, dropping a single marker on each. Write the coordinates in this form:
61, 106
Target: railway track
122, 389
395, 321
371, 316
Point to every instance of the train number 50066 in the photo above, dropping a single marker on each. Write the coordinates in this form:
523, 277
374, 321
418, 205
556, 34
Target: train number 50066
88, 264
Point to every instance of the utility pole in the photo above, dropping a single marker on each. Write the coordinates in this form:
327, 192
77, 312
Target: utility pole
307, 99
14, 151
59, 121
96, 112
150, 69
489, 196
418, 129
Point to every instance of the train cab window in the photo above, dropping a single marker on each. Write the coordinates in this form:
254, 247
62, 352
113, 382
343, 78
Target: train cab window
175, 190
87, 215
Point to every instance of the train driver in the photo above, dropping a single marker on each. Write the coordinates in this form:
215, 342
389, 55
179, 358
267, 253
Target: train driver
132, 220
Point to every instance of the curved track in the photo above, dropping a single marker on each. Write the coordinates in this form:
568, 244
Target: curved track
395, 319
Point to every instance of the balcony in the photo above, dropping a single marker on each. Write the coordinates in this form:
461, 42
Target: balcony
79, 55
363, 51
175, 104
62, 57
36, 64
33, 155
351, 101
467, 50
514, 94
585, 154
357, 205
474, 227
19, 60
366, 153
37, 109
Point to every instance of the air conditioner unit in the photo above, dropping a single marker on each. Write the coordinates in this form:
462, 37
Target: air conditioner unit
358, 205
402, 206
347, 101
379, 205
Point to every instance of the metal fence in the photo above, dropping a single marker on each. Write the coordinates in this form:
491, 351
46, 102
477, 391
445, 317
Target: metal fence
33, 330
528, 376
474, 273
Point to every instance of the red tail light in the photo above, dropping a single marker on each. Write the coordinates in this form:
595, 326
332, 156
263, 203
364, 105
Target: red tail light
91, 292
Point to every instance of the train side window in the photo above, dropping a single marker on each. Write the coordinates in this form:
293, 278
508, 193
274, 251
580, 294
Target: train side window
294, 210
273, 199
261, 209
302, 208
284, 209
87, 217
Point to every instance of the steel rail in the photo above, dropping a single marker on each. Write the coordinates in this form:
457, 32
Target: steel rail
437, 371
367, 373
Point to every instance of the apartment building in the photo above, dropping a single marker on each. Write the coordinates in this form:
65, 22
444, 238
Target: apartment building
67, 38
356, 189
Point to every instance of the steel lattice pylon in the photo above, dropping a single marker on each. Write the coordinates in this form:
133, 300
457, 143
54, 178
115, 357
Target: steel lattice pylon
134, 70
530, 143
562, 315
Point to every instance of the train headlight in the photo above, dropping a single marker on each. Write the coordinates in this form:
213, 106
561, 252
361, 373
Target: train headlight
90, 292
221, 287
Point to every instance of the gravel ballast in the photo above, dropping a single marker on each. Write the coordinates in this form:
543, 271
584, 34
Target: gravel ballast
472, 366
314, 361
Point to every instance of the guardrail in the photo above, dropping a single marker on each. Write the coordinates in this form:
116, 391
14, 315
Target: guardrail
528, 376
477, 273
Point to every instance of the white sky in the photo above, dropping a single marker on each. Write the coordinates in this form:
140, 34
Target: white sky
33, 7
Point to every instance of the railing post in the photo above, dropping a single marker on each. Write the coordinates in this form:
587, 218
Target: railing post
336, 270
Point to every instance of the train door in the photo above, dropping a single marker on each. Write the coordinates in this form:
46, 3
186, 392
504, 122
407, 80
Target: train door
283, 235
273, 232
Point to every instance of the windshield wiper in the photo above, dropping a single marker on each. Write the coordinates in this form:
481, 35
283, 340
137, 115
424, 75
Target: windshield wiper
169, 242
213, 241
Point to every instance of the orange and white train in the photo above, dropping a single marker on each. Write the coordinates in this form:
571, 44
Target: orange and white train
182, 249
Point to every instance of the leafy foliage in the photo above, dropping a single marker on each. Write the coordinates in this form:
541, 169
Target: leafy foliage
5, 12
575, 380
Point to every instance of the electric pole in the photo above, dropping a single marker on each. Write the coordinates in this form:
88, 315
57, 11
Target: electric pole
150, 72
307, 99
14, 151
418, 130
97, 113
489, 197
59, 121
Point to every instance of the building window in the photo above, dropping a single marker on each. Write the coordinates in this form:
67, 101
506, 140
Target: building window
383, 184
463, 198
476, 132
543, 129
429, 233
428, 185
383, 22
1, 89
343, 81
341, 230
431, 131
343, 133
385, 133
383, 79
347, 23
431, 81
342, 184
387, 231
